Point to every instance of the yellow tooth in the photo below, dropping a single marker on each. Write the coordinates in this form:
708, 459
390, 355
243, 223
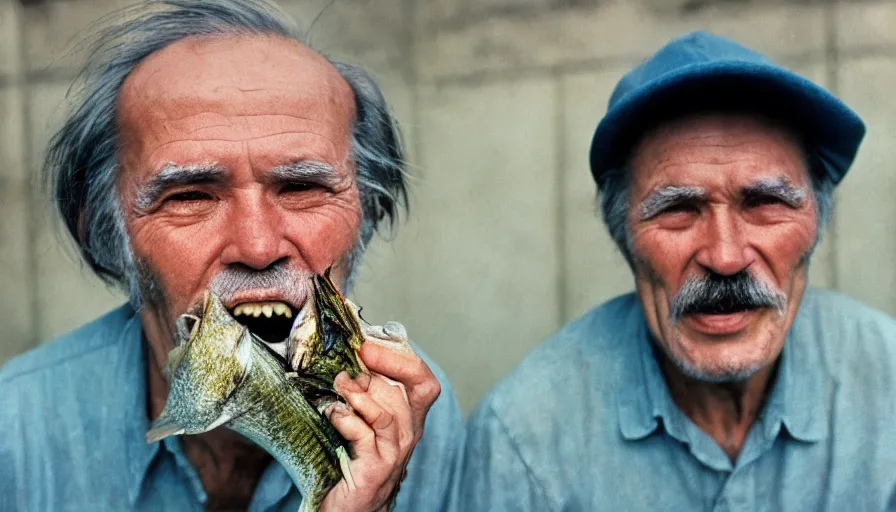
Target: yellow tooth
267, 309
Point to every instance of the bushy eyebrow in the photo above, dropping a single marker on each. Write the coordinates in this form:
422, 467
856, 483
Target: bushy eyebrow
667, 196
174, 175
779, 188
306, 171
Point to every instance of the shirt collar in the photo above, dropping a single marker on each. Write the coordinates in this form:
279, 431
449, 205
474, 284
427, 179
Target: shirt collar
800, 394
275, 485
133, 347
641, 403
125, 397
797, 399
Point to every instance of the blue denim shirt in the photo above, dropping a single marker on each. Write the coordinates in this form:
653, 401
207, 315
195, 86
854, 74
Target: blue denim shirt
73, 419
586, 422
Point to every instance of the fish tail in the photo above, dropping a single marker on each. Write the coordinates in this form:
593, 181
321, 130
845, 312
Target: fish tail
344, 466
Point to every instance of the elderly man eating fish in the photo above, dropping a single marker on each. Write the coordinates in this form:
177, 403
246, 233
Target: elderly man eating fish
210, 149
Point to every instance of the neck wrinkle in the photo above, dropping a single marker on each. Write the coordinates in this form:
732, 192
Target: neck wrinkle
725, 411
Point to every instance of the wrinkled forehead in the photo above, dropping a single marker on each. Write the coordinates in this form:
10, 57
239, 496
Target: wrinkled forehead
718, 148
236, 75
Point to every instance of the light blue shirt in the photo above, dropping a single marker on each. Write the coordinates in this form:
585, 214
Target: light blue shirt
73, 420
586, 422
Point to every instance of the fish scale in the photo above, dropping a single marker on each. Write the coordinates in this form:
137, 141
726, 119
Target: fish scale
305, 448
225, 376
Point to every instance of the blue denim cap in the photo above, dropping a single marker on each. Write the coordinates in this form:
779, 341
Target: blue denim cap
702, 71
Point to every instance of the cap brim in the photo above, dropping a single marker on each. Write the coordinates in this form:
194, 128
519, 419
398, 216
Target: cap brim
830, 128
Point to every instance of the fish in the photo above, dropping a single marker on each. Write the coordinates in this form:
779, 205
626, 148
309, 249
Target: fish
326, 338
223, 375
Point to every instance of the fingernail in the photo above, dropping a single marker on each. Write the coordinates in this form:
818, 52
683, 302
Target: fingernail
337, 408
343, 383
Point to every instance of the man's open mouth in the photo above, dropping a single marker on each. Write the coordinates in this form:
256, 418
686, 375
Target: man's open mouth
271, 321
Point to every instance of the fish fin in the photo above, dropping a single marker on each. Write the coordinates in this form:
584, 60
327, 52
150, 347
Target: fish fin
185, 327
244, 352
222, 419
162, 427
174, 359
396, 332
344, 459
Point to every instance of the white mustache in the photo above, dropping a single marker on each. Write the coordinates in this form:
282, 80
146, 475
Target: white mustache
293, 285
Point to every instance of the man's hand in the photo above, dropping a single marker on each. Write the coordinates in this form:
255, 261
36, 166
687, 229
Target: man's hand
390, 406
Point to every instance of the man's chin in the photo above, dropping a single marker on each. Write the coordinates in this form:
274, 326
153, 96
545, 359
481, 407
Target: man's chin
717, 358
719, 375
723, 348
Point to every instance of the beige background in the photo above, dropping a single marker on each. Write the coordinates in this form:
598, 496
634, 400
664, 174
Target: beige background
498, 99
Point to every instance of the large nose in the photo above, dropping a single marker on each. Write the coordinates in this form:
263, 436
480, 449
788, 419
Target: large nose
724, 247
257, 236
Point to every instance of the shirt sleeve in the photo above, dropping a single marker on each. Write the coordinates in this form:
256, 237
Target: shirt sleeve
434, 468
495, 476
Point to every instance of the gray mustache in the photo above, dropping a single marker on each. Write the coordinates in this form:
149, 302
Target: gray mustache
717, 294
293, 285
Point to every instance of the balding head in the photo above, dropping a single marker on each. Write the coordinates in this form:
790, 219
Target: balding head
83, 159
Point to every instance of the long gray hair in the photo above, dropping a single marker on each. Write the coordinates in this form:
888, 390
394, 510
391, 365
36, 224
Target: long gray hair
81, 166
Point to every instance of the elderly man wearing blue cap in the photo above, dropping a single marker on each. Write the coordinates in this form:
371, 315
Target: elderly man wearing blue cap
723, 383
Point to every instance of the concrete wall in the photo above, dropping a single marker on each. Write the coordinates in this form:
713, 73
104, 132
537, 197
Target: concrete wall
498, 99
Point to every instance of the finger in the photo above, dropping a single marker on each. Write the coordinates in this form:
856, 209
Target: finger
365, 394
392, 396
362, 438
353, 428
406, 368
399, 385
421, 384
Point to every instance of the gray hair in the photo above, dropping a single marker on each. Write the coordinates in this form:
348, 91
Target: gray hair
614, 197
82, 161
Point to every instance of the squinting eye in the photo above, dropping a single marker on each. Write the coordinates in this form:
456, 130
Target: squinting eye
755, 201
190, 195
296, 187
681, 208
